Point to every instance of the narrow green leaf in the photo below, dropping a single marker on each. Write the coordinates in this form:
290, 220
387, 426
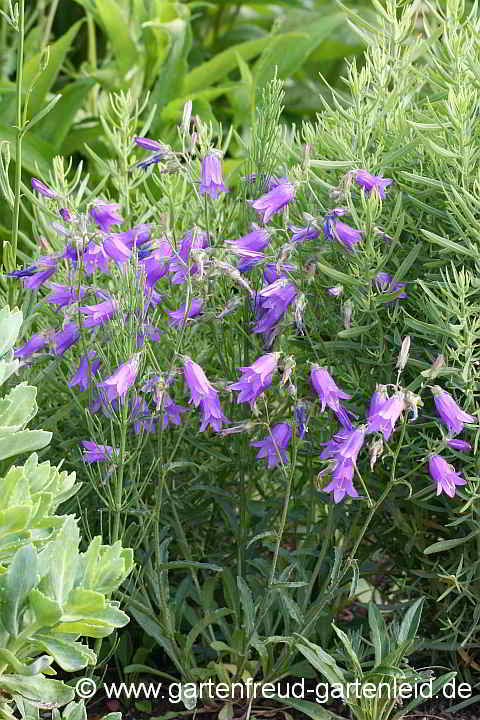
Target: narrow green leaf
443, 545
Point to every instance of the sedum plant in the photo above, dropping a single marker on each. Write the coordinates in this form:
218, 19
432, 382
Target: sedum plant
51, 594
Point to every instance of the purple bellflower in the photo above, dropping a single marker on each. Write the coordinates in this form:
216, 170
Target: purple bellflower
461, 445
43, 189
212, 176
336, 291
36, 342
156, 263
275, 200
118, 384
383, 283
275, 271
301, 234
301, 417
64, 295
38, 273
172, 413
256, 378
272, 304
343, 448
178, 267
65, 214
274, 446
205, 395
95, 257
330, 394
177, 317
98, 453
444, 475
65, 338
82, 376
116, 249
378, 400
257, 240
160, 151
98, 314
333, 229
371, 182
385, 415
452, 415
106, 215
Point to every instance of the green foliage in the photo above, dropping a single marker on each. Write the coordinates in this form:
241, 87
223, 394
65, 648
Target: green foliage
373, 690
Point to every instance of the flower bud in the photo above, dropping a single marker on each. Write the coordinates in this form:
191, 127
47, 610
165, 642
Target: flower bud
403, 355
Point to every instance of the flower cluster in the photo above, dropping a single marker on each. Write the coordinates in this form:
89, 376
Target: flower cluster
96, 242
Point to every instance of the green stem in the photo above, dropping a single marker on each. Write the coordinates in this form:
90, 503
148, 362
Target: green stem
18, 148
48, 24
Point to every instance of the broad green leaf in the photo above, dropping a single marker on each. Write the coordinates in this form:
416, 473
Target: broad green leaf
410, 623
248, 605
117, 27
378, 631
20, 580
23, 441
42, 692
55, 127
218, 67
47, 611
10, 324
70, 655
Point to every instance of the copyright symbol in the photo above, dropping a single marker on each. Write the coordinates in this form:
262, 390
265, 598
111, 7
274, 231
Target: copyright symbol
85, 688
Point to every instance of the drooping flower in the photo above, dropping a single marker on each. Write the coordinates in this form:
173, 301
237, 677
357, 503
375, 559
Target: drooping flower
347, 235
36, 342
98, 453
212, 176
451, 414
65, 338
385, 284
43, 189
179, 266
272, 304
256, 378
204, 394
106, 215
333, 229
82, 376
275, 200
301, 234
95, 257
156, 263
444, 475
461, 445
35, 275
177, 317
336, 291
301, 416
329, 393
372, 182
378, 400
116, 249
98, 314
274, 446
343, 448
275, 271
64, 295
255, 241
172, 413
159, 150
118, 384
384, 418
